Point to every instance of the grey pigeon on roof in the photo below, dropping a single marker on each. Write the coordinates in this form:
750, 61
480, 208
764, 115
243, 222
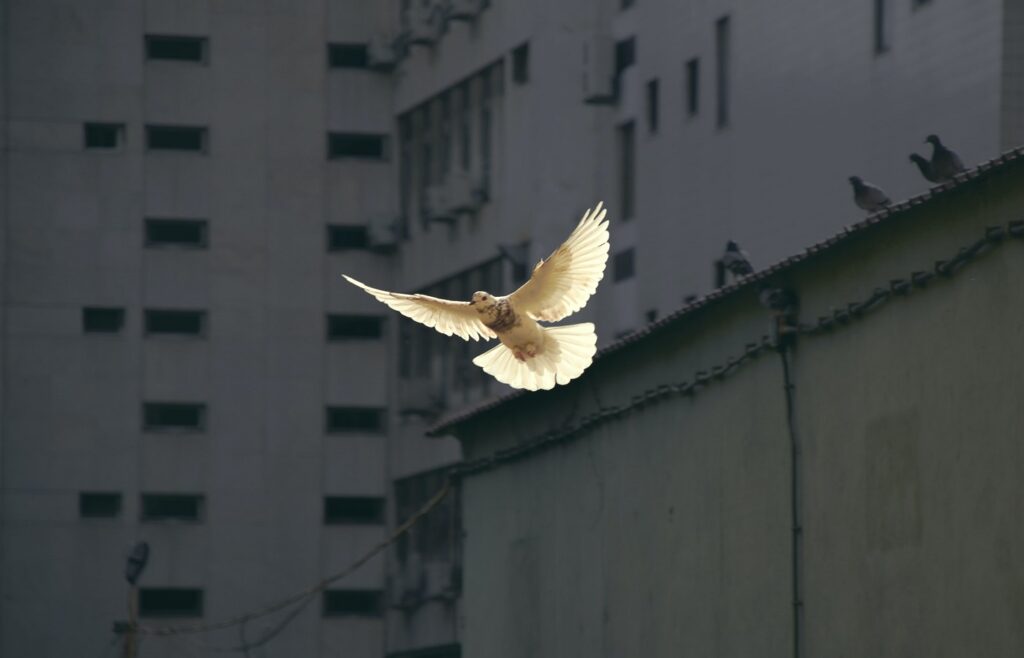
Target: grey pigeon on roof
925, 166
867, 196
736, 260
945, 163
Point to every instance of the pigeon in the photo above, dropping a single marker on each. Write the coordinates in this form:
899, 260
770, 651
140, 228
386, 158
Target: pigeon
945, 163
736, 260
867, 196
529, 356
925, 166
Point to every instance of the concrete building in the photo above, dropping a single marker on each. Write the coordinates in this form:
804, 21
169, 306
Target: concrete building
183, 183
695, 494
185, 180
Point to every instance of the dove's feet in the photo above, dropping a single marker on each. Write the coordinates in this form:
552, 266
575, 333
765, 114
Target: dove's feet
528, 351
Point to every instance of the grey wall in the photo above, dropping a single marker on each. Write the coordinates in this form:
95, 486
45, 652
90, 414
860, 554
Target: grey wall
668, 531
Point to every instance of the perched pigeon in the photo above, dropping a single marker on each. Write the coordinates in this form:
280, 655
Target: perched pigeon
925, 166
736, 260
867, 196
530, 356
945, 163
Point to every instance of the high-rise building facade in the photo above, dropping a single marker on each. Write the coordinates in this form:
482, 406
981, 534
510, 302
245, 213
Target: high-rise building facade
185, 181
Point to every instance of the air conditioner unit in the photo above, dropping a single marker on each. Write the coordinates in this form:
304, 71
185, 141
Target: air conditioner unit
438, 208
464, 10
382, 231
599, 69
382, 53
462, 193
425, 24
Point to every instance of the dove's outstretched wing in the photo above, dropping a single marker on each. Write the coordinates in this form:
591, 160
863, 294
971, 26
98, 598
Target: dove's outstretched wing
448, 317
562, 284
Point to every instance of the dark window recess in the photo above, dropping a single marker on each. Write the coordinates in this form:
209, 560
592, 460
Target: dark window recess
693, 87
175, 323
627, 178
103, 135
355, 419
172, 507
99, 505
176, 233
881, 27
97, 320
170, 602
340, 238
179, 49
521, 64
175, 138
722, 66
341, 327
652, 105
347, 56
356, 145
353, 510
625, 54
173, 415
353, 602
624, 265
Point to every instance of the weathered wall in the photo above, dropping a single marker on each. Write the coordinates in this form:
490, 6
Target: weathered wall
667, 532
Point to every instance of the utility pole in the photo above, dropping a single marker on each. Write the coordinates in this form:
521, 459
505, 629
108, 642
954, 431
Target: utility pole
134, 565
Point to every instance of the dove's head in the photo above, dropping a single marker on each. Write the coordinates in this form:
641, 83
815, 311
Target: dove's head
856, 180
483, 301
933, 140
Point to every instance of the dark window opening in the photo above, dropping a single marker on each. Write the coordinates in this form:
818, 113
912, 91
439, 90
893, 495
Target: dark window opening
521, 64
179, 49
465, 134
652, 105
623, 266
625, 54
188, 233
103, 135
99, 505
881, 27
627, 180
355, 419
693, 87
172, 507
347, 56
173, 416
176, 138
175, 323
170, 602
353, 602
342, 327
102, 320
340, 238
722, 65
353, 510
356, 145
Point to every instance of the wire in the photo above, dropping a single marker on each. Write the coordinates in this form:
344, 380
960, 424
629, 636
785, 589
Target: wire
305, 595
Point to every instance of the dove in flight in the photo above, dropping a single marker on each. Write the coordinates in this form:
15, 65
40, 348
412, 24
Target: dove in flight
529, 356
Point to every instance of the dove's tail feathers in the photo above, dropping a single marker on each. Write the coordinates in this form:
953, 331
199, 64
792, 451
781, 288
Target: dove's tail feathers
567, 351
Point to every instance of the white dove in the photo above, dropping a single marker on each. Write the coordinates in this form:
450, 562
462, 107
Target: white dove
530, 356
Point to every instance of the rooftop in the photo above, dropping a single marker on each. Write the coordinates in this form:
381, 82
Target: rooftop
891, 213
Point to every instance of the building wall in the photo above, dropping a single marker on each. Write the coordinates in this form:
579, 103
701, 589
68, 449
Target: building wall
670, 528
74, 227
